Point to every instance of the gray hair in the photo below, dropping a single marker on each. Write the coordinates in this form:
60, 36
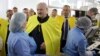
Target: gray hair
84, 23
43, 4
17, 21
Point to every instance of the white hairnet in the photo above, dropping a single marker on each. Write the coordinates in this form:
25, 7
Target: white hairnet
17, 21
84, 23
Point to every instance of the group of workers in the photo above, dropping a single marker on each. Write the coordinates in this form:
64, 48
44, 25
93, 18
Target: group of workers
42, 34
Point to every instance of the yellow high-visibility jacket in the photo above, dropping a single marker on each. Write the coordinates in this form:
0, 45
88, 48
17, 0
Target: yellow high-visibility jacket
51, 34
59, 19
3, 33
72, 22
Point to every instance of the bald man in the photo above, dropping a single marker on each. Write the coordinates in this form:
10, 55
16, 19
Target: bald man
45, 31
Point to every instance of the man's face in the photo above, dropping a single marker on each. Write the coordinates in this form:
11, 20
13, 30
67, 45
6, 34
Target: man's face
54, 13
25, 11
91, 14
15, 9
9, 14
41, 11
31, 12
66, 11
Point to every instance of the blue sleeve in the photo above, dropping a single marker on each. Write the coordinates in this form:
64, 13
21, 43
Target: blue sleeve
82, 47
33, 45
21, 48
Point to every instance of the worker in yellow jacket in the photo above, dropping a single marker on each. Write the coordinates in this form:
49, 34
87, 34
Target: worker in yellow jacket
45, 31
3, 33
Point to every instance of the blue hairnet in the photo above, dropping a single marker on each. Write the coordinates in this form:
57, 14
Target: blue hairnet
17, 21
84, 23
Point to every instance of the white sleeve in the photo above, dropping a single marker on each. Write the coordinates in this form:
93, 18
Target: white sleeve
89, 53
1, 43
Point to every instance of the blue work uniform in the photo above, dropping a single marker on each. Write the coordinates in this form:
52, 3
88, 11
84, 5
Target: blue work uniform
20, 44
76, 43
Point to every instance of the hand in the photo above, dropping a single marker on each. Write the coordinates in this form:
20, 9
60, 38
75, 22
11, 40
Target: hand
42, 46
